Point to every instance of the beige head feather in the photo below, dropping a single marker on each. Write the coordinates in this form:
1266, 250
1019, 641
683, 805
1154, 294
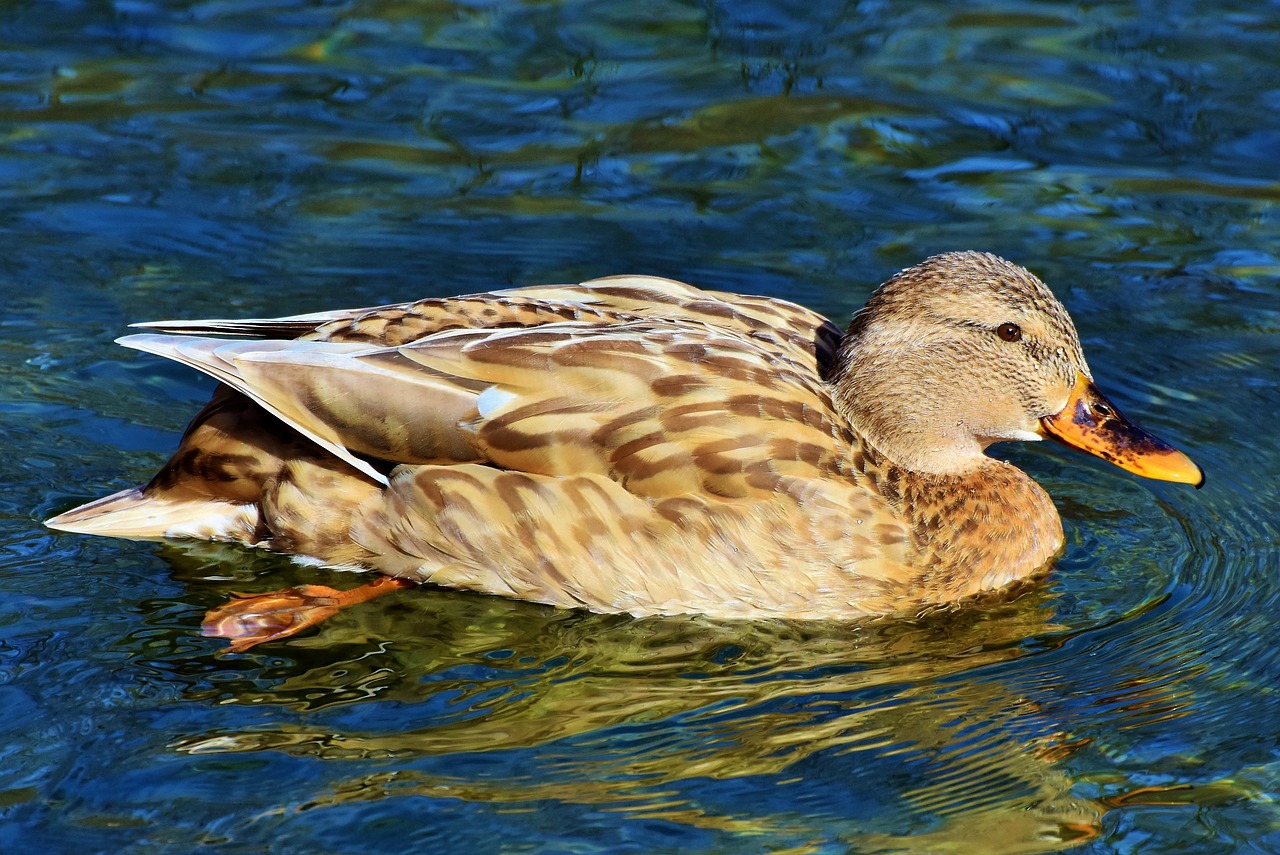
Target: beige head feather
953, 354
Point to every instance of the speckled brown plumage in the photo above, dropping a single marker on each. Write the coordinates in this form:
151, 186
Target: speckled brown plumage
633, 444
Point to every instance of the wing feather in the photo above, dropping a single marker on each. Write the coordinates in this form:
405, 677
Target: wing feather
222, 360
665, 407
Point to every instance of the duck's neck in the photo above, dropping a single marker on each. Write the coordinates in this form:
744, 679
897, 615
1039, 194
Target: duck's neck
906, 409
973, 532
977, 523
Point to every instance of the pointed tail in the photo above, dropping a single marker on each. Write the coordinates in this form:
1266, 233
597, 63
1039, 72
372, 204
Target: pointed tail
133, 514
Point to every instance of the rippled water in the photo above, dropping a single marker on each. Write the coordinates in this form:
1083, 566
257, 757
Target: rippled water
195, 159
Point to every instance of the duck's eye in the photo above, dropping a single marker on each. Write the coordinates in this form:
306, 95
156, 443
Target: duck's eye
1009, 332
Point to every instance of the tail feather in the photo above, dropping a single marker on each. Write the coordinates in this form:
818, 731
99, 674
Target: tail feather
134, 514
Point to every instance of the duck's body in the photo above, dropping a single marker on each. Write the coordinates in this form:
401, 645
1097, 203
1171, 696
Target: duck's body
635, 444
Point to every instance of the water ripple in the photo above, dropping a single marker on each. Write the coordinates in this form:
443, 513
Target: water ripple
243, 157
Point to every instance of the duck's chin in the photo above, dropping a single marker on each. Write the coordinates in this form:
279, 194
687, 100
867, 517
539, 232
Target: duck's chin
1023, 436
1013, 435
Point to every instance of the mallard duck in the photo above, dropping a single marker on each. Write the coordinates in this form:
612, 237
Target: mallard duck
635, 444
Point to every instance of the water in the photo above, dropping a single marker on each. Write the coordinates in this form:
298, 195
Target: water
230, 158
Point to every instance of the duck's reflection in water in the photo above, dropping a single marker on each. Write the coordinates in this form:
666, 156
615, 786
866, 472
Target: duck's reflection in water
886, 735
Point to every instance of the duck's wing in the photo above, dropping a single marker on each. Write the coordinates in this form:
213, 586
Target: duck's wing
804, 336
665, 407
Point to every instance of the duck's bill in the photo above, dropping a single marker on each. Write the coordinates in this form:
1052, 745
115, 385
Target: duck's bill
1091, 423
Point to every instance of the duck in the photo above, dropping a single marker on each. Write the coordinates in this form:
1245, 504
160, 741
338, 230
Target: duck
638, 445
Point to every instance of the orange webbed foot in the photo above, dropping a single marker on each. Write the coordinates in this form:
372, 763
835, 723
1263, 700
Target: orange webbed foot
251, 619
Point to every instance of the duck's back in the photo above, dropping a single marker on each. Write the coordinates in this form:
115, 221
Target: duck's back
800, 334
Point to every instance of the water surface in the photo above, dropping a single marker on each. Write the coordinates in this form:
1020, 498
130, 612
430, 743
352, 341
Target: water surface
258, 158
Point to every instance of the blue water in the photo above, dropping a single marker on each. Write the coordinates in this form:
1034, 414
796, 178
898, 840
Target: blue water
240, 158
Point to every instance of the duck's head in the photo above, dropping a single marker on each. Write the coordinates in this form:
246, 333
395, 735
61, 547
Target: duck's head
966, 349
